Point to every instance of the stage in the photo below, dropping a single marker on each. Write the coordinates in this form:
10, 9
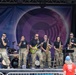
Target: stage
27, 18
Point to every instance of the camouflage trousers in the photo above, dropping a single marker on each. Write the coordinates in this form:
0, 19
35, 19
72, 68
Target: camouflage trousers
4, 55
59, 58
39, 54
47, 57
73, 55
23, 56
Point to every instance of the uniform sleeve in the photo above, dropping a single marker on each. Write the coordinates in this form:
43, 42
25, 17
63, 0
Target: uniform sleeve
27, 42
55, 44
75, 40
50, 43
6, 40
31, 42
68, 41
61, 43
64, 67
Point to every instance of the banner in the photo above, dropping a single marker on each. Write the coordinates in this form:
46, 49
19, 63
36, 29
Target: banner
17, 20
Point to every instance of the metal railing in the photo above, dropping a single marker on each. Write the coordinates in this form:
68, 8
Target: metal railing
35, 73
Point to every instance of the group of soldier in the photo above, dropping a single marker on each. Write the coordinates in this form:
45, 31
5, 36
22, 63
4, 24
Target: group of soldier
40, 48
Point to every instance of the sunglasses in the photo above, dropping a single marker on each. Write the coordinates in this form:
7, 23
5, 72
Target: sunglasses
71, 35
37, 36
3, 35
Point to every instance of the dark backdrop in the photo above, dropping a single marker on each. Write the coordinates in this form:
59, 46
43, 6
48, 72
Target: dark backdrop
73, 26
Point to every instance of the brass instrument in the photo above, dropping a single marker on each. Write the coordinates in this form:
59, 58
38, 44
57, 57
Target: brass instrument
60, 48
70, 45
48, 47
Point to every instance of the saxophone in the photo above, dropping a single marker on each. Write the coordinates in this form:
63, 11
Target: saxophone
48, 47
70, 45
60, 47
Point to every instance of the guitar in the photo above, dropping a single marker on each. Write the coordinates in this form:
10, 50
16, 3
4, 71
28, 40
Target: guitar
35, 48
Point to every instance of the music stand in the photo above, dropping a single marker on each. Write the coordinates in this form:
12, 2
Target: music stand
69, 51
65, 53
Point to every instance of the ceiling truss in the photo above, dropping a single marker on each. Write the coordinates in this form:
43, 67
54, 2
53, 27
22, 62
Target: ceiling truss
37, 1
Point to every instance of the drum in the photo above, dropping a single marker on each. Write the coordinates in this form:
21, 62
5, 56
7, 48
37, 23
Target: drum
37, 63
14, 62
11, 50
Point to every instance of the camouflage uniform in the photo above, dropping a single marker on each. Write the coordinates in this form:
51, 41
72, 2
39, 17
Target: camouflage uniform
23, 56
